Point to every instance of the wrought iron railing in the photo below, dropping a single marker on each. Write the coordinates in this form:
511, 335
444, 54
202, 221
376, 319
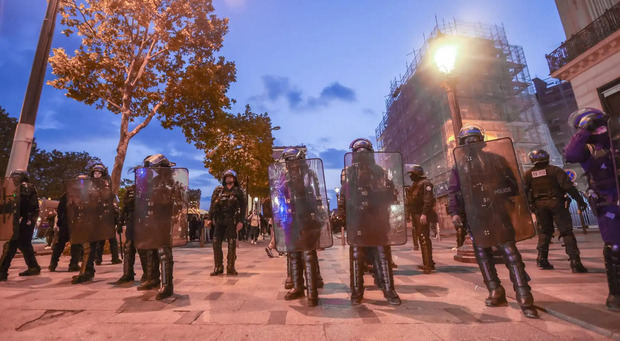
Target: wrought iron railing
583, 40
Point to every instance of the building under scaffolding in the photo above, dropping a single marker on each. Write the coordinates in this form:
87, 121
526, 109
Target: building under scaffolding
494, 91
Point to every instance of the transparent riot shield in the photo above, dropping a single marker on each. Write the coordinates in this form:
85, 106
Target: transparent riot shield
299, 202
374, 200
160, 212
495, 203
8, 207
90, 210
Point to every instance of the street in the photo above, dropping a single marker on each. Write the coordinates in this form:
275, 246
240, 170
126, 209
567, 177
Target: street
446, 305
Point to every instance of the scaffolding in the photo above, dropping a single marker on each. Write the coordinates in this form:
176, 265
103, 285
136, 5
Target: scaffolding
494, 91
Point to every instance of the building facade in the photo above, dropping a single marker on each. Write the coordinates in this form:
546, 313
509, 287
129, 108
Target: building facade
494, 91
590, 58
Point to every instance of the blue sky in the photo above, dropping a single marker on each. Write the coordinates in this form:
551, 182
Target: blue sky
320, 68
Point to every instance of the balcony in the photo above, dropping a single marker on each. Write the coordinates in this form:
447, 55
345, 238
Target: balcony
585, 39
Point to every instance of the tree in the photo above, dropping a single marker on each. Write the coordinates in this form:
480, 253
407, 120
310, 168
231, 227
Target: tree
48, 170
244, 143
143, 59
7, 130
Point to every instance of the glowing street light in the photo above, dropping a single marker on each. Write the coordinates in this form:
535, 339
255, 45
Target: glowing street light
445, 53
445, 58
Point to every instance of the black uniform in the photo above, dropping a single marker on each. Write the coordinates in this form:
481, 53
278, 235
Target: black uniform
546, 186
129, 258
378, 256
63, 238
228, 208
23, 227
421, 201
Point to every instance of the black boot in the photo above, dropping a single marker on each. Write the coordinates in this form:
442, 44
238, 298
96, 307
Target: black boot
384, 274
128, 263
497, 294
427, 252
165, 260
356, 271
152, 271
231, 257
542, 261
570, 242
288, 284
87, 269
143, 265
218, 257
76, 254
311, 269
612, 265
114, 251
576, 266
297, 276
519, 278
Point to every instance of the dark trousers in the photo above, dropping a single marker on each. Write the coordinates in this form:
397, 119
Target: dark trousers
59, 247
23, 242
254, 231
101, 246
546, 213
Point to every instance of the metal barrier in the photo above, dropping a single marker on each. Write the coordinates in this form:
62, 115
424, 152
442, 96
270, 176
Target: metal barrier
588, 216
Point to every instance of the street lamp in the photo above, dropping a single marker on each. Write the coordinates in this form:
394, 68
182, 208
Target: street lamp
445, 54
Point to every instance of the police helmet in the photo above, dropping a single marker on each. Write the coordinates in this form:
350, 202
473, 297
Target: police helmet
470, 131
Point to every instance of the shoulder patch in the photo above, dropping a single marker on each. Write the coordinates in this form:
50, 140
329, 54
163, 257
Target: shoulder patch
539, 173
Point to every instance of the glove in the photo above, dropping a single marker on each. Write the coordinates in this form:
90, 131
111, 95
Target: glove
456, 220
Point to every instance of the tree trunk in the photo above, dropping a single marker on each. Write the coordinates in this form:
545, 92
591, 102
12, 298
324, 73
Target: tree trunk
121, 153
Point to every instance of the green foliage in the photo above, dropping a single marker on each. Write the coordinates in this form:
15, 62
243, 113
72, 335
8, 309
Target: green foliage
143, 59
243, 143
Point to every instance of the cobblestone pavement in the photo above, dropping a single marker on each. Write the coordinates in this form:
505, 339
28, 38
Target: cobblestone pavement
446, 305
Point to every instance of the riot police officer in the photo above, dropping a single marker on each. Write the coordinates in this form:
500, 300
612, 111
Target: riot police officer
98, 171
163, 198
63, 238
129, 258
25, 213
507, 246
421, 207
302, 216
591, 147
379, 256
546, 185
227, 211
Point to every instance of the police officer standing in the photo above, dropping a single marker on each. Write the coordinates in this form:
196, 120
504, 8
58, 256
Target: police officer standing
546, 186
591, 147
25, 213
129, 258
498, 231
228, 206
63, 238
420, 207
99, 171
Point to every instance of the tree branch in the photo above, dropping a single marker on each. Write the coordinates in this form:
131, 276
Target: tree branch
146, 121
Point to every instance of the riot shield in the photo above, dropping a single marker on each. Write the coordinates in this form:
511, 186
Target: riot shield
90, 210
8, 207
160, 212
374, 199
495, 203
613, 126
299, 202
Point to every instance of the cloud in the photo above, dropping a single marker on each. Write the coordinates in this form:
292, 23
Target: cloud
279, 87
338, 91
47, 120
333, 158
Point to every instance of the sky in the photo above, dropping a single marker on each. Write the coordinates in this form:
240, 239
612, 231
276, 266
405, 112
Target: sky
320, 68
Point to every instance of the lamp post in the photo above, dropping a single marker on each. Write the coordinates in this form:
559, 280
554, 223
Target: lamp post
445, 55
